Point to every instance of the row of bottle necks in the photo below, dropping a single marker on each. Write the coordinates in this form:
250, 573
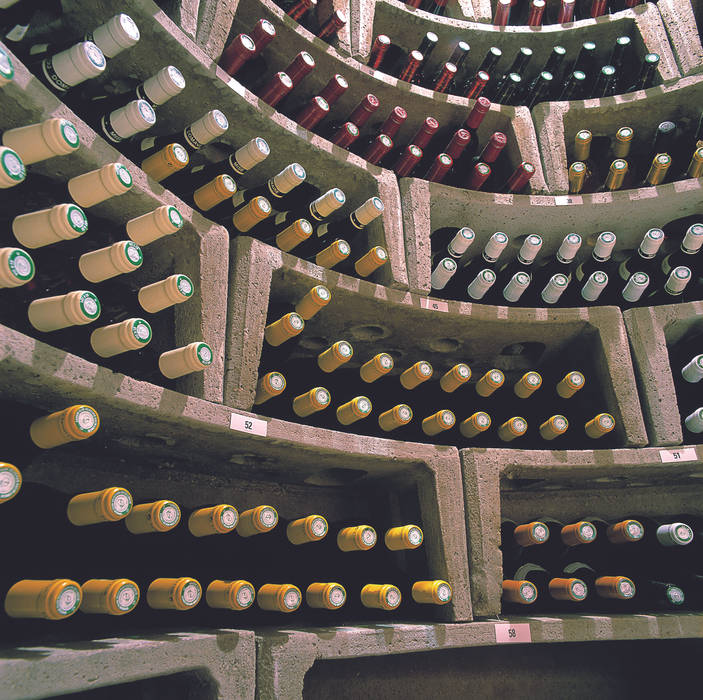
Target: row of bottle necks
644, 278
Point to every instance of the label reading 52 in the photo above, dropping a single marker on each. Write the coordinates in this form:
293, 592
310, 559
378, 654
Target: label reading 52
248, 424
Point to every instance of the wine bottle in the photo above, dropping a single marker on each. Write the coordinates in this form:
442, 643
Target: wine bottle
589, 290
351, 227
525, 258
365, 265
695, 166
519, 178
66, 69
606, 588
647, 73
10, 481
674, 288
547, 591
109, 596
553, 289
331, 26
378, 52
181, 594
448, 242
562, 262
501, 16
573, 87
7, 70
426, 47
518, 66
600, 255
516, 539
128, 121
633, 290
50, 599
690, 246
38, 142
644, 258
599, 425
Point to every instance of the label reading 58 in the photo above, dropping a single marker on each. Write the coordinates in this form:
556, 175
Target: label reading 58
507, 633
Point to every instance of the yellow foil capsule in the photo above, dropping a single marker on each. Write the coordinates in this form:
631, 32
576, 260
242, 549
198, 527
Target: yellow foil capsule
383, 596
625, 531
457, 376
317, 298
317, 399
170, 159
54, 599
395, 417
403, 537
356, 409
527, 384
216, 520
577, 177
77, 422
333, 254
270, 385
377, 367
313, 528
570, 384
619, 587
444, 419
432, 592
109, 596
257, 520
109, 505
489, 382
251, 213
174, 593
475, 424
357, 538
553, 427
520, 592
658, 169
622, 142
695, 167
286, 327
599, 426
573, 589
159, 516
529, 534
214, 192
414, 376
283, 597
330, 596
582, 145
371, 261
10, 481
512, 428
616, 174
299, 231
582, 532
335, 356
230, 595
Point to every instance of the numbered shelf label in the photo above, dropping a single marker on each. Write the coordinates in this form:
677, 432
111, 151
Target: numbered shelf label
248, 424
433, 304
507, 633
685, 454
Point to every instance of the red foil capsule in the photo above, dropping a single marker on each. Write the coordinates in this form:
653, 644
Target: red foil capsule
598, 8
336, 87
346, 135
393, 122
263, 34
477, 113
566, 11
425, 132
493, 148
414, 61
502, 13
378, 50
378, 148
409, 158
445, 78
300, 8
332, 25
413, 3
632, 3
439, 169
313, 113
299, 67
276, 89
368, 105
240, 50
479, 82
479, 174
459, 142
534, 17
517, 181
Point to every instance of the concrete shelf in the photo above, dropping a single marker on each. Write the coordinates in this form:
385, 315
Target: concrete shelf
684, 25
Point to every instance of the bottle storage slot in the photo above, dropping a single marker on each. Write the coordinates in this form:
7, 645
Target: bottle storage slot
683, 22
554, 10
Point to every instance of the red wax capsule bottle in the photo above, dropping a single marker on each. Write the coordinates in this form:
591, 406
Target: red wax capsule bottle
425, 133
337, 20
439, 169
408, 159
477, 84
299, 67
479, 174
536, 13
313, 113
566, 11
368, 105
519, 179
458, 143
262, 34
378, 149
445, 78
334, 89
598, 8
501, 16
276, 89
477, 113
346, 135
378, 50
493, 148
393, 122
300, 8
408, 71
240, 50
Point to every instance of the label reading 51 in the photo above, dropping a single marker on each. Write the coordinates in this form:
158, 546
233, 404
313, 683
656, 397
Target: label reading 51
248, 424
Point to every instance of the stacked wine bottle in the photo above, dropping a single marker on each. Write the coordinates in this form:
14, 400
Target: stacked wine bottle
535, 13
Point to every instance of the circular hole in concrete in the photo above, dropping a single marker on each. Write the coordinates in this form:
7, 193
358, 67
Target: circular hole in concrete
395, 354
336, 476
368, 332
445, 344
531, 350
313, 343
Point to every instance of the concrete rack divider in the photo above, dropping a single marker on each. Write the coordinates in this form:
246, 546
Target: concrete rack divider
558, 122
449, 110
652, 331
209, 665
374, 318
428, 207
199, 250
208, 87
521, 485
684, 22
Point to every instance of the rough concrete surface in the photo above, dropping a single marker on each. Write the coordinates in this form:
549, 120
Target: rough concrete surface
683, 25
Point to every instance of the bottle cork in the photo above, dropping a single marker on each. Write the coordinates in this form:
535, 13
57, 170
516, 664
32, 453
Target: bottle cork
109, 596
582, 532
334, 253
354, 410
432, 592
37, 142
395, 417
573, 589
270, 385
457, 376
356, 539
371, 261
214, 192
96, 186
328, 596
16, 267
489, 382
313, 528
383, 596
438, 422
61, 222
54, 599
570, 384
317, 399
377, 367
149, 227
165, 162
216, 520
475, 424
283, 597
529, 534
300, 230
251, 213
257, 520
10, 481
527, 384
283, 329
512, 428
158, 516
74, 423
12, 169
335, 356
173, 593
167, 292
599, 426
553, 427
73, 309
230, 595
414, 376
194, 357
520, 592
118, 259
403, 537
108, 505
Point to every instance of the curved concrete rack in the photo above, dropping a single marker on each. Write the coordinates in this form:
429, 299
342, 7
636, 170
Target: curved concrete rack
629, 213
373, 318
314, 661
652, 332
684, 24
558, 122
207, 86
521, 485
450, 111
199, 250
406, 27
